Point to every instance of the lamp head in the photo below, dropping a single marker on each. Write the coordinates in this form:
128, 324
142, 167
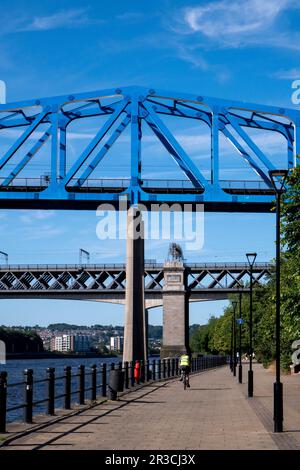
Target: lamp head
251, 257
278, 179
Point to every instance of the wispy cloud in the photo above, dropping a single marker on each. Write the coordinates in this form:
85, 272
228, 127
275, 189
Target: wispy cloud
226, 18
35, 216
232, 23
290, 74
15, 133
193, 56
43, 232
71, 18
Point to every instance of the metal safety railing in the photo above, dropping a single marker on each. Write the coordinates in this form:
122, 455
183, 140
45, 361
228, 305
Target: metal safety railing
149, 264
120, 184
91, 384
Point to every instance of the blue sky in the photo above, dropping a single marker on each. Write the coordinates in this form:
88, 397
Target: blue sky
246, 50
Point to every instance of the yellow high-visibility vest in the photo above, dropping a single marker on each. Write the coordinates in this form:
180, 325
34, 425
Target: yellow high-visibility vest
184, 360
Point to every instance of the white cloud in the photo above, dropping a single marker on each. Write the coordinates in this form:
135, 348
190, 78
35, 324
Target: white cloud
43, 231
228, 17
62, 19
290, 74
15, 133
68, 18
193, 56
234, 17
236, 23
38, 215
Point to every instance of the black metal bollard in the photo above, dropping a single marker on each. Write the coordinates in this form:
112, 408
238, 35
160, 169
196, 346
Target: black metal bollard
81, 383
164, 368
142, 371
28, 392
51, 390
103, 380
132, 373
67, 380
176, 366
154, 369
169, 367
122, 377
159, 369
94, 382
3, 400
147, 371
116, 383
126, 375
173, 367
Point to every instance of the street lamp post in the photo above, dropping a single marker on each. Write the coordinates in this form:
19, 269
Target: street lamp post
234, 304
231, 347
251, 257
240, 322
278, 178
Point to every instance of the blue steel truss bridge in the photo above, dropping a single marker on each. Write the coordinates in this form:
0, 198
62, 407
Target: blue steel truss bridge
49, 160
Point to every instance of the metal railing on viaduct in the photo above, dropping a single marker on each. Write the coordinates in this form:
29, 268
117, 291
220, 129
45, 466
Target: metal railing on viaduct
30, 396
109, 280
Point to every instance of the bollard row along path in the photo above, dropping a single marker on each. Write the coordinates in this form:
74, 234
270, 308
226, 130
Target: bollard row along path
214, 413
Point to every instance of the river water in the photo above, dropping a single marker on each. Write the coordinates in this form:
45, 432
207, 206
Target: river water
15, 370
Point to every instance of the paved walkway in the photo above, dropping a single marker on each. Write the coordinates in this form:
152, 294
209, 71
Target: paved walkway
213, 414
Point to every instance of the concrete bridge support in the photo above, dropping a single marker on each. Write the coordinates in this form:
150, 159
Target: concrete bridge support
135, 322
175, 310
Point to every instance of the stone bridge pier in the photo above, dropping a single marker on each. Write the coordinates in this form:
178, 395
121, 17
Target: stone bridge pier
175, 310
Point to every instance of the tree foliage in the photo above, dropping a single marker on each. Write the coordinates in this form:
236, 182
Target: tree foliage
216, 335
17, 341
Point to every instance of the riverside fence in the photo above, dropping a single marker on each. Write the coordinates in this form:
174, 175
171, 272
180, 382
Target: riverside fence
31, 396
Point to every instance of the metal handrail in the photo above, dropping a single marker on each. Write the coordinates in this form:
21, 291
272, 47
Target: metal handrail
106, 183
122, 266
170, 370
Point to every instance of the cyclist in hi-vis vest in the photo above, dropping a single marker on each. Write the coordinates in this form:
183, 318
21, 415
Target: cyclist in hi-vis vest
185, 366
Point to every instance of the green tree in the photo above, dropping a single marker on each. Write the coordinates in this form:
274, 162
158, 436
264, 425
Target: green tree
264, 297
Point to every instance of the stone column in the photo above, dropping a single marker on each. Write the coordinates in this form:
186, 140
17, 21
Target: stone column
175, 311
134, 329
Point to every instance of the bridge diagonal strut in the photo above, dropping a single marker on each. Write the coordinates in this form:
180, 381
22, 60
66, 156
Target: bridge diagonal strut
20, 141
175, 149
95, 141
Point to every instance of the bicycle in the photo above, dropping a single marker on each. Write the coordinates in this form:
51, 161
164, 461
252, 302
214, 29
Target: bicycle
184, 378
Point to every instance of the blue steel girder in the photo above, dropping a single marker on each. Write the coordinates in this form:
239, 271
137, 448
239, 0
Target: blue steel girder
133, 106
